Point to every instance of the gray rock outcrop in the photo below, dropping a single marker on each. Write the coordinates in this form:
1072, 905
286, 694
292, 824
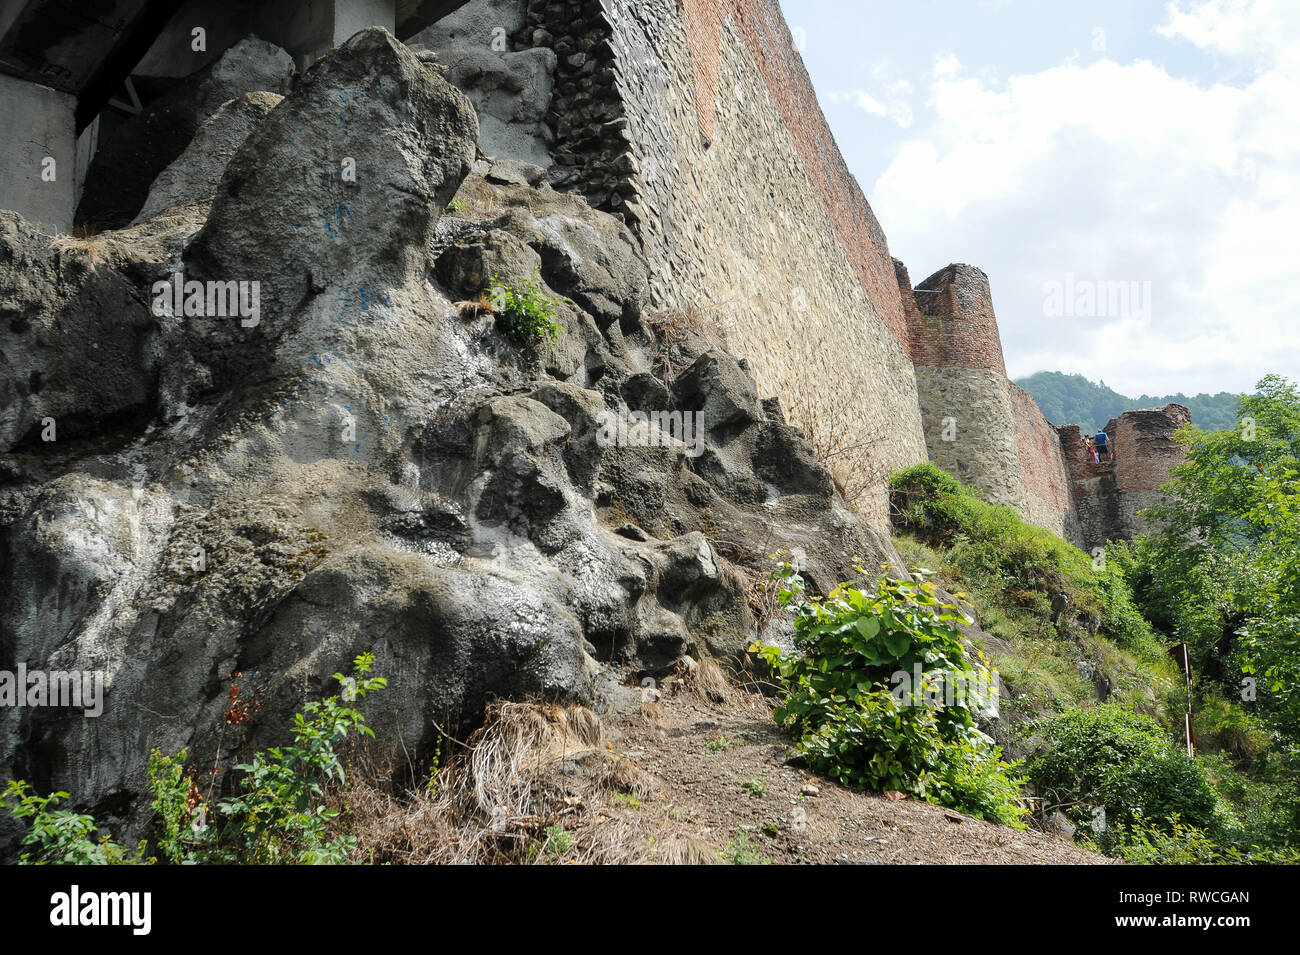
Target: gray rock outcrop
132, 156
369, 466
196, 172
511, 88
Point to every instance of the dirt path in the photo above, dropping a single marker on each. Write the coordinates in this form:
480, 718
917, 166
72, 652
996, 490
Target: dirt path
722, 779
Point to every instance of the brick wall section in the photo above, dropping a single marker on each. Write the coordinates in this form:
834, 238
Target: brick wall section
1109, 498
1044, 470
954, 325
767, 38
913, 320
1145, 449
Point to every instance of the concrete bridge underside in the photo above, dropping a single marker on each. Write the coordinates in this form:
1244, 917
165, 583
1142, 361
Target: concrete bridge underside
61, 61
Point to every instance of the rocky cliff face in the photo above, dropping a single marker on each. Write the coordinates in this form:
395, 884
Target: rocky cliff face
343, 459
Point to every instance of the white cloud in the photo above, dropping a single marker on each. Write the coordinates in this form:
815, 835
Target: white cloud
1118, 172
898, 108
1264, 31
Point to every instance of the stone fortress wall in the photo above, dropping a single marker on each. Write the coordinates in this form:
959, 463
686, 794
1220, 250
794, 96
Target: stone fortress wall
965, 398
655, 111
661, 108
696, 122
1109, 497
1049, 502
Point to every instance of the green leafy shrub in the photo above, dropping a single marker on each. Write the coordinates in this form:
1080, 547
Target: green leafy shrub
1110, 757
277, 816
742, 851
526, 314
60, 836
558, 842
859, 716
1173, 842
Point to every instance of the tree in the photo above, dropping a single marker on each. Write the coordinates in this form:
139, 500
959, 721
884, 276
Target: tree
1225, 571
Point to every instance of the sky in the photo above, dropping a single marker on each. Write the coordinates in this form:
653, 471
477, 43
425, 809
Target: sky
1126, 172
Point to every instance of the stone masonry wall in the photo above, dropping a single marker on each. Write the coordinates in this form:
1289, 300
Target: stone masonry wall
711, 146
771, 48
1093, 490
970, 431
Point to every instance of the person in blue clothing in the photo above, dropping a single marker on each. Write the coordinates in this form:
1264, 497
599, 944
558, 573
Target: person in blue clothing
1102, 440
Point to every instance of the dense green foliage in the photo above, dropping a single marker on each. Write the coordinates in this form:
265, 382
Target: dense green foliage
1113, 758
1010, 569
525, 314
859, 715
60, 836
1224, 576
1173, 842
1073, 399
277, 816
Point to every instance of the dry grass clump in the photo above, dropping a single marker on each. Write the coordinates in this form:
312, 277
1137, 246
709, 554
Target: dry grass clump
533, 785
99, 249
149, 241
470, 309
709, 681
685, 850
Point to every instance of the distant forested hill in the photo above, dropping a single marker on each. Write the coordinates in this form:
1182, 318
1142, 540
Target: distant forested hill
1073, 399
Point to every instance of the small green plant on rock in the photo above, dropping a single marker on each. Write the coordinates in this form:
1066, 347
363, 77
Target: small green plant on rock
277, 815
526, 314
558, 841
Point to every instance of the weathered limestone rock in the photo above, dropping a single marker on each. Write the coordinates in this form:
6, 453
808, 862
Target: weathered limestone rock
74, 341
194, 175
511, 88
511, 91
120, 175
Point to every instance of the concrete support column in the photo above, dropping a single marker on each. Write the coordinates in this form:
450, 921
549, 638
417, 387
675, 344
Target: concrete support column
38, 153
308, 29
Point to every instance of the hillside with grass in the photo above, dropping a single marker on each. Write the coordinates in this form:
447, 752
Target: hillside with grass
1086, 646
